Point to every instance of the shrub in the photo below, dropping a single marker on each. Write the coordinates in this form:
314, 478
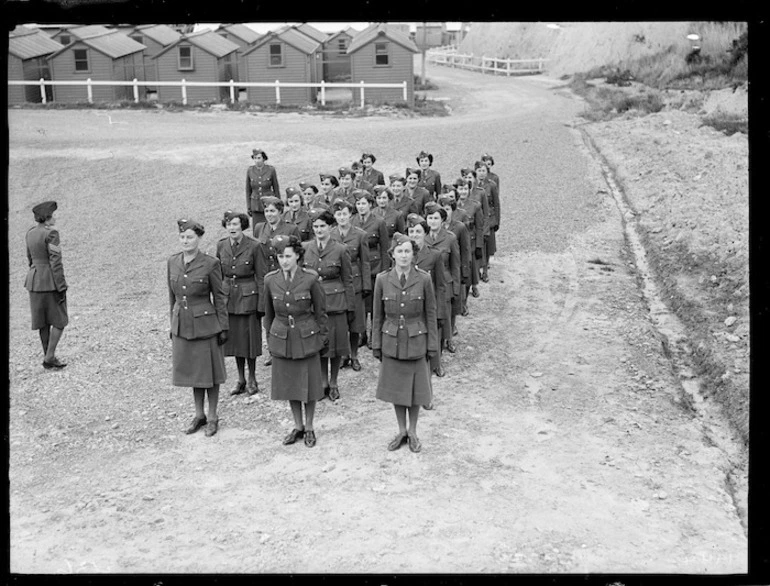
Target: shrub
418, 85
726, 123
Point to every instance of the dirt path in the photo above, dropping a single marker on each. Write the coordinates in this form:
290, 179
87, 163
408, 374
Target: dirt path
558, 443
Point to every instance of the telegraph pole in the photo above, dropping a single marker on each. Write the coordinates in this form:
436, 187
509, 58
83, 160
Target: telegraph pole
424, 35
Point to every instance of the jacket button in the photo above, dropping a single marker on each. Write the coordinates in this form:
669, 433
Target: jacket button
185, 276
184, 286
402, 305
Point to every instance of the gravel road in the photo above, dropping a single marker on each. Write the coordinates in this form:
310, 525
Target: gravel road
559, 442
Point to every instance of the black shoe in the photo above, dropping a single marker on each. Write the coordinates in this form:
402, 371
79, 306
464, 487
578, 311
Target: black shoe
428, 407
345, 362
310, 438
196, 424
268, 361
485, 277
455, 333
465, 312
439, 370
239, 389
252, 388
326, 394
475, 291
397, 441
55, 363
450, 347
414, 444
212, 427
355, 364
293, 436
334, 393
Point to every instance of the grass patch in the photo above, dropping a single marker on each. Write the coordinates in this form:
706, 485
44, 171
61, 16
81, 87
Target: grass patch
428, 85
605, 103
726, 122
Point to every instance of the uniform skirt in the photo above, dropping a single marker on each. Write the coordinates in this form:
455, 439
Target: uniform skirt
197, 363
491, 243
475, 266
47, 311
359, 323
244, 339
339, 340
297, 380
404, 382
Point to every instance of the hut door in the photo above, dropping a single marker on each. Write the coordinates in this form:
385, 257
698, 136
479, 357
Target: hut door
228, 73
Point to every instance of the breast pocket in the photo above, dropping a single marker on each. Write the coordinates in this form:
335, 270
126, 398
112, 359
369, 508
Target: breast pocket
199, 286
303, 301
392, 305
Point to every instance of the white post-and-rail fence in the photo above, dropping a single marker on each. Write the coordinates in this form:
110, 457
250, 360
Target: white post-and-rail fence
450, 57
231, 84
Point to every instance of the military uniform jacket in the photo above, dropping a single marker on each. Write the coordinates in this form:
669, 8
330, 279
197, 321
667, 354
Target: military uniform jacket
394, 221
404, 319
46, 271
405, 205
494, 177
446, 242
196, 297
431, 181
358, 249
259, 183
421, 196
264, 233
295, 314
364, 184
342, 193
473, 220
301, 221
429, 260
377, 240
480, 195
493, 199
243, 273
458, 228
373, 176
335, 273
321, 201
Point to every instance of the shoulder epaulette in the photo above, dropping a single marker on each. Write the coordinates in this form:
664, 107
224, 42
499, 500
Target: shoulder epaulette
223, 239
423, 271
309, 271
273, 272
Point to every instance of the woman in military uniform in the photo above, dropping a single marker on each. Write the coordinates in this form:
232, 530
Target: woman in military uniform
490, 162
199, 324
479, 194
355, 240
370, 174
474, 221
377, 239
420, 195
394, 220
345, 190
296, 325
331, 260
446, 243
455, 225
325, 197
429, 178
261, 180
244, 264
309, 193
46, 283
297, 214
493, 200
401, 202
404, 338
358, 179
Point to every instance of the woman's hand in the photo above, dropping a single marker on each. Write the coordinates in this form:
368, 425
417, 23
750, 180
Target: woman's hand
62, 296
432, 355
222, 337
479, 253
351, 317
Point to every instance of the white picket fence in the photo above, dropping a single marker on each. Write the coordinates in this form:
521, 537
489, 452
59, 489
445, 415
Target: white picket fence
450, 57
233, 85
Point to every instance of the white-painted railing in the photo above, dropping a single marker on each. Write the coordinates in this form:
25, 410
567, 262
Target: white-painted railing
450, 57
183, 84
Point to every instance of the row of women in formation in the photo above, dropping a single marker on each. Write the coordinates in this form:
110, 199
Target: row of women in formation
326, 270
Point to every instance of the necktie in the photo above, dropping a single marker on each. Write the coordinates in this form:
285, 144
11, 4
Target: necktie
403, 280
294, 216
320, 247
287, 276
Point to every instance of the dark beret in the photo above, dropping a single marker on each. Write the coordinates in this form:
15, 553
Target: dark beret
291, 192
279, 242
340, 203
411, 170
369, 155
356, 166
446, 198
346, 171
424, 154
413, 219
486, 157
396, 177
431, 208
479, 164
45, 209
468, 171
398, 240
185, 224
229, 215
268, 200
255, 152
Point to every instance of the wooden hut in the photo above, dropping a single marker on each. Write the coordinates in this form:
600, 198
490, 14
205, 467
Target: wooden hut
155, 38
70, 33
112, 56
336, 61
27, 52
286, 55
383, 54
202, 56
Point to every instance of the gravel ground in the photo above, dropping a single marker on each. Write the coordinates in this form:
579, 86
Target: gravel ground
560, 399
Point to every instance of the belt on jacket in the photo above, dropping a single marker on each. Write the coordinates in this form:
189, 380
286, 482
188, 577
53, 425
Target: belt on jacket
234, 278
290, 320
404, 320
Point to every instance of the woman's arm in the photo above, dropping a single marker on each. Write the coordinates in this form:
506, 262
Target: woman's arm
220, 298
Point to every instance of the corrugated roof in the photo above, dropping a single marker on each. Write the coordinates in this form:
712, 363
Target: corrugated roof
114, 44
206, 40
246, 34
33, 44
290, 36
20, 29
160, 33
374, 31
312, 32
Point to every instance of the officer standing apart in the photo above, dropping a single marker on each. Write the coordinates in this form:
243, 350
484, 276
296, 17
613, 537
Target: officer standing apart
45, 282
261, 180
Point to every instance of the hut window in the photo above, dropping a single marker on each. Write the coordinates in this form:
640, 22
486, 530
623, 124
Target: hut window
81, 60
185, 58
65, 39
381, 54
341, 46
276, 55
